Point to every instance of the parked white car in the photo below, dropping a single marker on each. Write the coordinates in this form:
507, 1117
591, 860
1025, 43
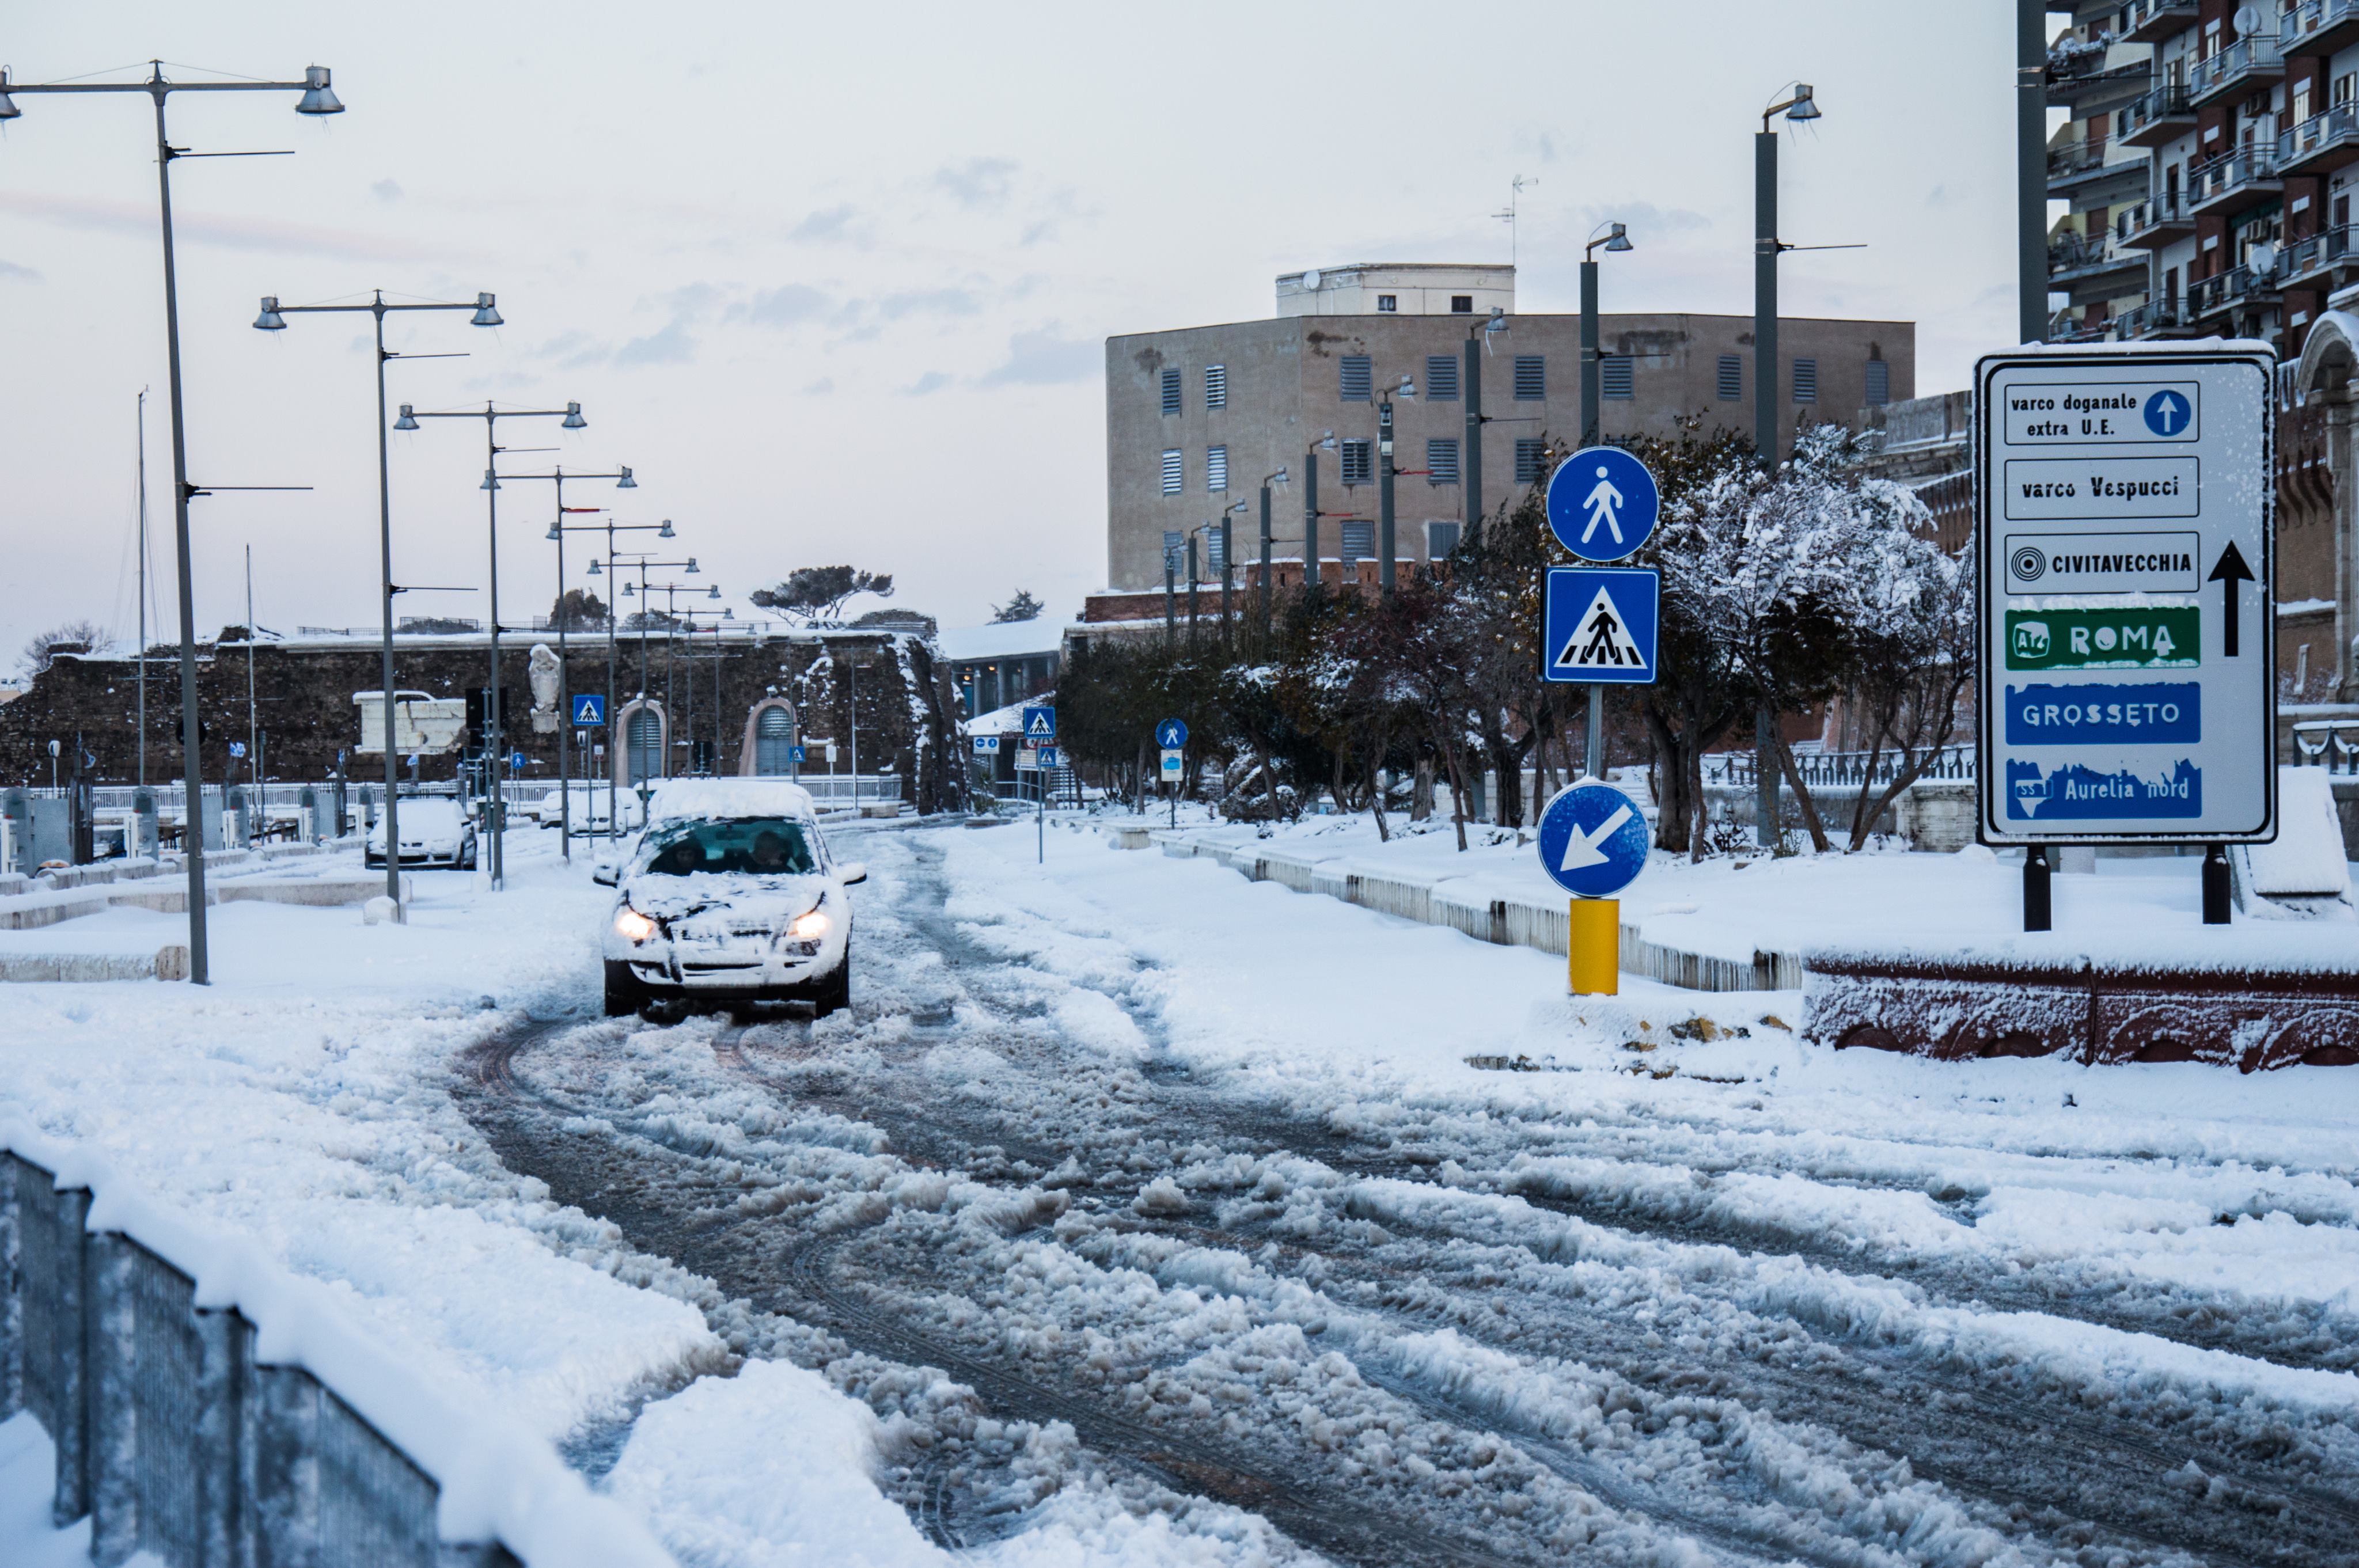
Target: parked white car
731, 896
436, 830
592, 809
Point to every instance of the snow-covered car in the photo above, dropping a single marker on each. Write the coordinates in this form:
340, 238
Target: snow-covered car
591, 808
436, 830
731, 895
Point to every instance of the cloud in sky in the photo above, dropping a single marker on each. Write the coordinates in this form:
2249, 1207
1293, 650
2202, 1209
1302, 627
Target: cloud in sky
669, 346
933, 380
1043, 358
781, 306
242, 234
978, 184
386, 190
827, 224
21, 273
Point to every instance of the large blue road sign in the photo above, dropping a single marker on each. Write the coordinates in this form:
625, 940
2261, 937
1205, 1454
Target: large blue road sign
1603, 503
589, 709
1599, 624
1592, 840
1171, 734
1039, 724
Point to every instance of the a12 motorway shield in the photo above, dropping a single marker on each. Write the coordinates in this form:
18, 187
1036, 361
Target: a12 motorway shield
1598, 623
1593, 839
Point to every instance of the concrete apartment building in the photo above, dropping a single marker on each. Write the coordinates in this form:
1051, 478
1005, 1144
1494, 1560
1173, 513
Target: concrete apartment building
1197, 416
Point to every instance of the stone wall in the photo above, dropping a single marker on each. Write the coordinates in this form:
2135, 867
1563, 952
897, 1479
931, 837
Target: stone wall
303, 700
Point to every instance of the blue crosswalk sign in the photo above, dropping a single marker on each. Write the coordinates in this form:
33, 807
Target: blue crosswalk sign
1603, 503
1593, 839
795, 755
1171, 734
1039, 724
589, 709
1599, 624
1051, 758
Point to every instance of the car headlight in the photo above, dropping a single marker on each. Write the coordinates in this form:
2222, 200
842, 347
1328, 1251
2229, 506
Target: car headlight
631, 923
808, 926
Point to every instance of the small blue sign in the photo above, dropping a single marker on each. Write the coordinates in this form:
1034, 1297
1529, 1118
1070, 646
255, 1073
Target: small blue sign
1603, 503
237, 748
2074, 792
1039, 724
1593, 839
589, 709
2168, 412
2158, 713
795, 755
1598, 623
986, 744
1051, 757
517, 761
1171, 734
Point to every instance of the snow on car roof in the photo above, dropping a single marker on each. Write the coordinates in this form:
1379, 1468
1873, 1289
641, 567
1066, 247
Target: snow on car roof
730, 798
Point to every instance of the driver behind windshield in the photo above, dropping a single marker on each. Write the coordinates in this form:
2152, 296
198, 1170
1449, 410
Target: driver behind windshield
769, 853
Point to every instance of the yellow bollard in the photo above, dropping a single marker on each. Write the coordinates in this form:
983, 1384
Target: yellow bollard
1593, 946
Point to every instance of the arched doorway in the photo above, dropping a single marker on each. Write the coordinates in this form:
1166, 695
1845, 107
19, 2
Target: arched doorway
770, 735
646, 734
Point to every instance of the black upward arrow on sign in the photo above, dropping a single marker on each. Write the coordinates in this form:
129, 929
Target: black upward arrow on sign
2230, 570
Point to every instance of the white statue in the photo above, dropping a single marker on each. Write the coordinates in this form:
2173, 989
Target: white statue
541, 670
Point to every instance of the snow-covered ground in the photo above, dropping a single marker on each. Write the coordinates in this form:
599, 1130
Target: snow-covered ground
1140, 1213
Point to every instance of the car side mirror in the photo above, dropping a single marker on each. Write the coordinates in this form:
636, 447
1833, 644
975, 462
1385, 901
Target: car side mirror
857, 872
608, 876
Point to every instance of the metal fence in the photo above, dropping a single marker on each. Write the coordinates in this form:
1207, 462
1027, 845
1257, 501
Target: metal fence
2329, 743
1842, 770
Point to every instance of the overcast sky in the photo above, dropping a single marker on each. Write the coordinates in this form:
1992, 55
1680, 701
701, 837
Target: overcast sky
835, 279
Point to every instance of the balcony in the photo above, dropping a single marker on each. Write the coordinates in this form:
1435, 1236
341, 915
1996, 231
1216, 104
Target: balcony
2230, 183
2318, 27
2321, 144
2151, 21
2155, 319
2153, 224
2157, 116
2313, 258
2081, 259
2245, 66
2079, 77
2240, 286
2079, 169
2066, 328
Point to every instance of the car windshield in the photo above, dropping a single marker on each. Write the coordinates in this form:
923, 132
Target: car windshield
762, 846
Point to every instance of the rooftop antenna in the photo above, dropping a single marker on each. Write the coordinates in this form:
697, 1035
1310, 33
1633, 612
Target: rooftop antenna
1507, 216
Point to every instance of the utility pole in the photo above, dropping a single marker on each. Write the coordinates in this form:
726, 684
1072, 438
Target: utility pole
1385, 494
143, 587
1470, 458
252, 723
2031, 166
1311, 575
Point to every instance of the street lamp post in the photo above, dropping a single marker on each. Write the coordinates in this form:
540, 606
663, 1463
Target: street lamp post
1266, 480
1800, 108
671, 590
494, 734
317, 98
1311, 577
273, 318
1406, 392
557, 532
1470, 460
1229, 562
1592, 371
642, 564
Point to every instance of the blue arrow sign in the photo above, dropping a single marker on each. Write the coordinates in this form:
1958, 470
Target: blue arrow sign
1171, 734
1603, 503
1039, 724
1592, 840
1599, 624
986, 744
589, 709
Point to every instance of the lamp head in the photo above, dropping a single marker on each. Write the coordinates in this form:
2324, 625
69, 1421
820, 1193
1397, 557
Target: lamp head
1619, 240
552, 533
408, 421
573, 420
1327, 442
318, 97
8, 110
715, 593
1804, 107
487, 314
270, 320
1278, 478
1408, 389
727, 614
491, 480
691, 565
665, 531
595, 569
630, 590
627, 481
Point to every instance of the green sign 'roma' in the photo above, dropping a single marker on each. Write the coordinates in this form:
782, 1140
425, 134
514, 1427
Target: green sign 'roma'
2126, 638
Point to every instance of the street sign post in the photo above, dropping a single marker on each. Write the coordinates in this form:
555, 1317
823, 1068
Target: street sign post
589, 709
1027, 759
1039, 728
1171, 734
1599, 624
2126, 505
1592, 844
1603, 503
1051, 758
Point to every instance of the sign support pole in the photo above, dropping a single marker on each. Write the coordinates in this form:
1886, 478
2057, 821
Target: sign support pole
1594, 764
1593, 946
2036, 909
2215, 884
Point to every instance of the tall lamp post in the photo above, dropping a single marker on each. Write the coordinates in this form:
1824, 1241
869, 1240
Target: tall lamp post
1408, 393
273, 318
1800, 107
557, 532
643, 564
1312, 576
494, 742
1469, 393
317, 98
672, 624
1266, 480
1592, 374
1229, 563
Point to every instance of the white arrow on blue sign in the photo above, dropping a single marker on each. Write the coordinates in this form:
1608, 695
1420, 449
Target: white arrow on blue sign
984, 745
1039, 724
1592, 840
1603, 503
589, 709
1171, 734
1599, 624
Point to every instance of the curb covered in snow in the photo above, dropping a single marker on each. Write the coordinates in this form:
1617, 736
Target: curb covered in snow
211, 1406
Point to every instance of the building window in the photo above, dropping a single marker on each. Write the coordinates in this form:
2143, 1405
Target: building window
1806, 381
1175, 472
1440, 538
1442, 460
1216, 468
1175, 545
1387, 303
1359, 540
1530, 459
1615, 376
1531, 377
1879, 383
1461, 305
1359, 461
1441, 378
1355, 378
1171, 392
1216, 386
1731, 377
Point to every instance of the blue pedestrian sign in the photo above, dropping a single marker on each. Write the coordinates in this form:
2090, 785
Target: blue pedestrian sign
517, 761
1599, 624
1051, 757
1592, 840
1603, 503
237, 748
1171, 734
589, 709
795, 755
1039, 724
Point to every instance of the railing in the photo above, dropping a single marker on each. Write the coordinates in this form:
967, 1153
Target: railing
2139, 14
2164, 314
1844, 770
2300, 21
2222, 71
2065, 327
2329, 743
2152, 213
2317, 253
2077, 158
2167, 102
2086, 253
2207, 294
2338, 126
2230, 171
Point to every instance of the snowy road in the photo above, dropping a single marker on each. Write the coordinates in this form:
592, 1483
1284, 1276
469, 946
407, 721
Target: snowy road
1584, 1313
